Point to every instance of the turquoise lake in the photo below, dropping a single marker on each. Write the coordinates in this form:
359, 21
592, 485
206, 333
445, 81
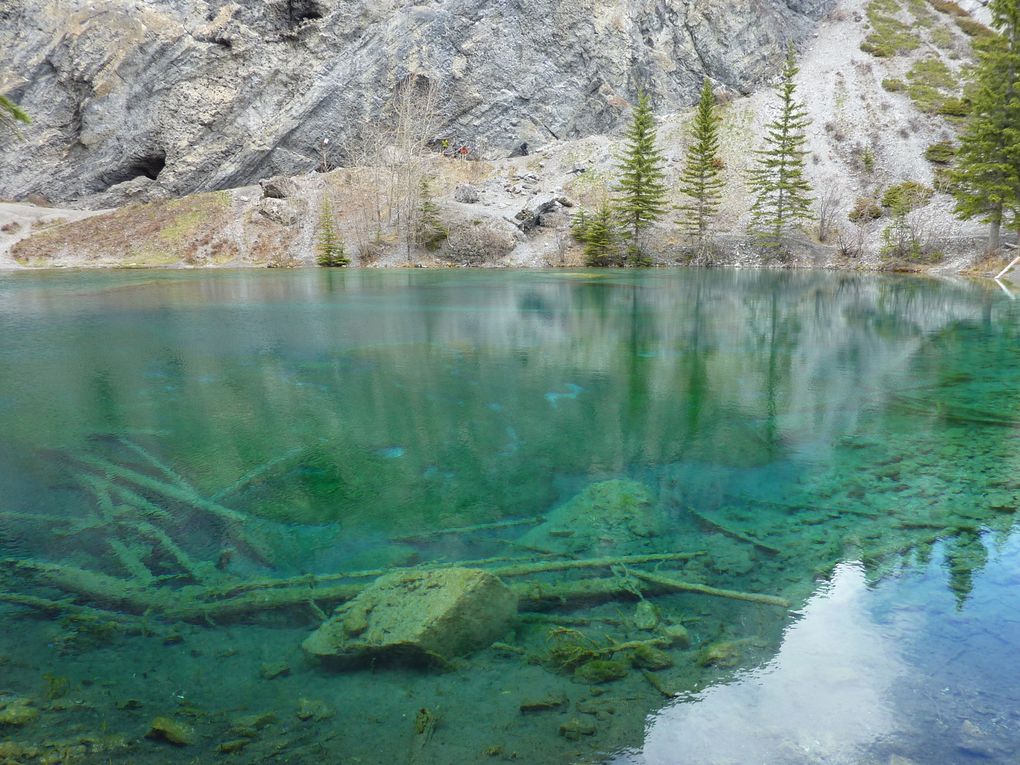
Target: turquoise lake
196, 468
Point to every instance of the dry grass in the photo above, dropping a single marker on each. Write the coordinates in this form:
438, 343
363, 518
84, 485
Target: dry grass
188, 230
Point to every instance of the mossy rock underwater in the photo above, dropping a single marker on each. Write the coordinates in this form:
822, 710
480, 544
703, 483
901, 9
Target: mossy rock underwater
610, 516
417, 618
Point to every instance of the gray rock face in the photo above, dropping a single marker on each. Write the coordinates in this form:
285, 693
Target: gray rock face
191, 95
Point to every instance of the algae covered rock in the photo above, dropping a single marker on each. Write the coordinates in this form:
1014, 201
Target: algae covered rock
16, 711
422, 617
545, 703
724, 653
609, 516
314, 709
601, 671
649, 657
172, 731
646, 616
677, 635
573, 729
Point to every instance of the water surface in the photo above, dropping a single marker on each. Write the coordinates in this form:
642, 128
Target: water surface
848, 443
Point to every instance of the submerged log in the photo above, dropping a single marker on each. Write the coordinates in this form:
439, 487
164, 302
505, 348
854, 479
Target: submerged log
255, 473
543, 567
731, 533
45, 605
702, 589
494, 526
233, 521
99, 588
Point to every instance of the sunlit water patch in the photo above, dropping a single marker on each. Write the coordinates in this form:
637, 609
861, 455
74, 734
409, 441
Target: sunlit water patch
686, 516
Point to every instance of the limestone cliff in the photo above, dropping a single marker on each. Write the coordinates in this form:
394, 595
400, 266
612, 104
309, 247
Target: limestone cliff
141, 99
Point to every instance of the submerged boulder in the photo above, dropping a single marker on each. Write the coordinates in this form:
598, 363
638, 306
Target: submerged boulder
422, 617
610, 516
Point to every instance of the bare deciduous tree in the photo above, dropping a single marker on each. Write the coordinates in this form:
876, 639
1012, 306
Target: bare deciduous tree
389, 159
827, 208
850, 239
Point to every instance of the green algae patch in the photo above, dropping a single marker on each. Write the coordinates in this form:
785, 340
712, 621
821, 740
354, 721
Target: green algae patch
187, 231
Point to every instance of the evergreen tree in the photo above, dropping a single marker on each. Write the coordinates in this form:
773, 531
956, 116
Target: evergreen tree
11, 114
329, 246
600, 239
700, 179
430, 231
986, 181
641, 198
781, 191
579, 226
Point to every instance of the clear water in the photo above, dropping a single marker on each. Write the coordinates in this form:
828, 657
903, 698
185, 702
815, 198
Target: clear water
848, 443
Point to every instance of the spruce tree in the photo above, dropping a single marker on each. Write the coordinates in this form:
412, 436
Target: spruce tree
579, 225
329, 247
986, 181
700, 179
781, 191
600, 238
641, 194
430, 231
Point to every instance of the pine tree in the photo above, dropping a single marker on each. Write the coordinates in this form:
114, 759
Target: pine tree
641, 198
329, 247
600, 239
430, 231
986, 181
781, 191
11, 114
579, 225
700, 179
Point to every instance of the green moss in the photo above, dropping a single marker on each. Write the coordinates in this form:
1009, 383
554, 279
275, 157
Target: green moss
890, 35
922, 14
931, 84
954, 107
941, 38
56, 687
972, 27
906, 196
941, 153
601, 671
894, 85
948, 7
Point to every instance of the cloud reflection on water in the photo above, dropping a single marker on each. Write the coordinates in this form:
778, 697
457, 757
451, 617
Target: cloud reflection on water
825, 697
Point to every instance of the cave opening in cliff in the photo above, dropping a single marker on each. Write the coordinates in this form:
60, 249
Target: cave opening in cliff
303, 10
148, 165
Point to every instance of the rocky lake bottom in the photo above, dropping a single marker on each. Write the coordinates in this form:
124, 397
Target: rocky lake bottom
633, 518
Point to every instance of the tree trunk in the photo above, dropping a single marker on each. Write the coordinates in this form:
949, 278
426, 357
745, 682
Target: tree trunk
994, 240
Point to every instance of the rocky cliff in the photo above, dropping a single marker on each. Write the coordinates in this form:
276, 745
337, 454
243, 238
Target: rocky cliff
142, 99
